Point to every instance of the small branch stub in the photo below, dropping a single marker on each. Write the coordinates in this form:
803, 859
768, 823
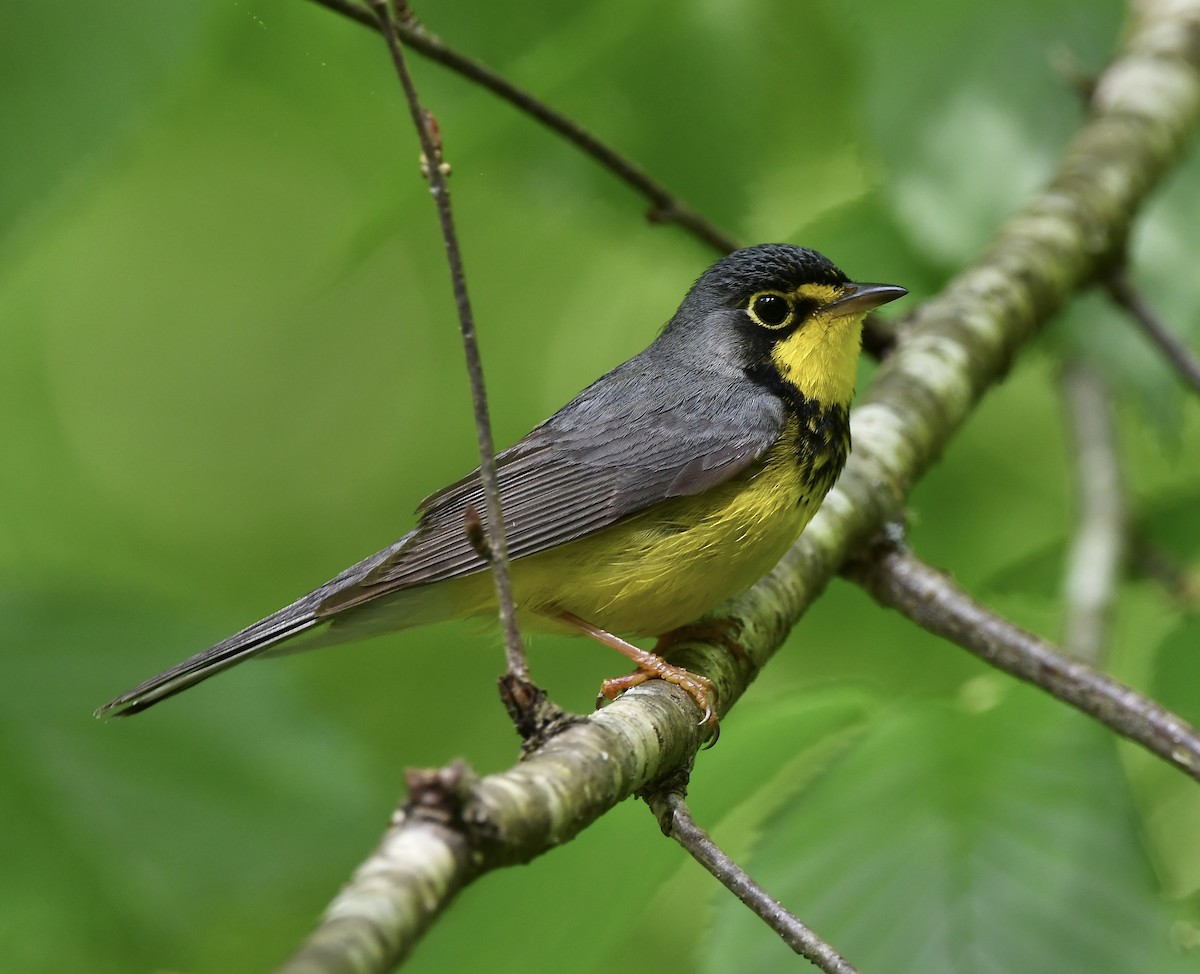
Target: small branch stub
535, 716
476, 533
433, 134
439, 794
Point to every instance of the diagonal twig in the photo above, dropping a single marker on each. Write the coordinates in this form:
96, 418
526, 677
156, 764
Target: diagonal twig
665, 206
899, 580
675, 819
1185, 362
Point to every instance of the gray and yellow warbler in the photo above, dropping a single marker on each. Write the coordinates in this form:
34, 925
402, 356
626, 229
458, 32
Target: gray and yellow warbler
668, 485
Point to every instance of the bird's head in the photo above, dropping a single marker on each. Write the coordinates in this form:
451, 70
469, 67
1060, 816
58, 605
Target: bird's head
783, 314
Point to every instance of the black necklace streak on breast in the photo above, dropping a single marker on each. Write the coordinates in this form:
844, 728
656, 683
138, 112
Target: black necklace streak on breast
822, 443
818, 433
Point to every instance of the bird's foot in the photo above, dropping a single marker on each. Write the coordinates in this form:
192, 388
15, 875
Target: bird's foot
699, 688
650, 666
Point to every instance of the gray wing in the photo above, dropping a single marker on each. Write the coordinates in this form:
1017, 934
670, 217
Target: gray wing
624, 444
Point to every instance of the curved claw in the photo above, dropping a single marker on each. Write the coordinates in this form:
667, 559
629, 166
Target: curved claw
700, 688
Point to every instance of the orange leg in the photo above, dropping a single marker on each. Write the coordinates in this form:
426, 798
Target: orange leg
650, 666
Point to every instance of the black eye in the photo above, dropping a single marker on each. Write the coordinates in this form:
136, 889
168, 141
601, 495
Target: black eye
770, 309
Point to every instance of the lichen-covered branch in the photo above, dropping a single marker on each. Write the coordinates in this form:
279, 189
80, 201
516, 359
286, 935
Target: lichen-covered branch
956, 345
456, 826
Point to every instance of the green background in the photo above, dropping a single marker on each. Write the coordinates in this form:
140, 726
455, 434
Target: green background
229, 367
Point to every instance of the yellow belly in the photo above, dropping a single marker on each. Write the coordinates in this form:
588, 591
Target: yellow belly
666, 566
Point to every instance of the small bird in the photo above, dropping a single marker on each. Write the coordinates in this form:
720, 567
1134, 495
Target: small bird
670, 484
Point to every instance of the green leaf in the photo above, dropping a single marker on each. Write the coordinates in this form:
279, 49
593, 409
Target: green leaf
1174, 523
1177, 680
992, 838
781, 745
1039, 572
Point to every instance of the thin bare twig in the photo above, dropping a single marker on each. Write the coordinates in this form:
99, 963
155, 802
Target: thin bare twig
1185, 362
675, 819
437, 170
665, 206
1097, 552
896, 578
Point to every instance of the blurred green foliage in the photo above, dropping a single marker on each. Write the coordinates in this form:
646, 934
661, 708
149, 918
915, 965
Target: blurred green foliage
229, 367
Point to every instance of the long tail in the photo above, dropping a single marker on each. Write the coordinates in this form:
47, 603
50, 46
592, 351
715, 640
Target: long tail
263, 638
251, 641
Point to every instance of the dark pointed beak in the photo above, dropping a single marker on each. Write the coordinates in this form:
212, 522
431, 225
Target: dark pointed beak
861, 298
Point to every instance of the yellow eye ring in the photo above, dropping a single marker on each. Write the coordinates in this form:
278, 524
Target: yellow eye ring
771, 309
